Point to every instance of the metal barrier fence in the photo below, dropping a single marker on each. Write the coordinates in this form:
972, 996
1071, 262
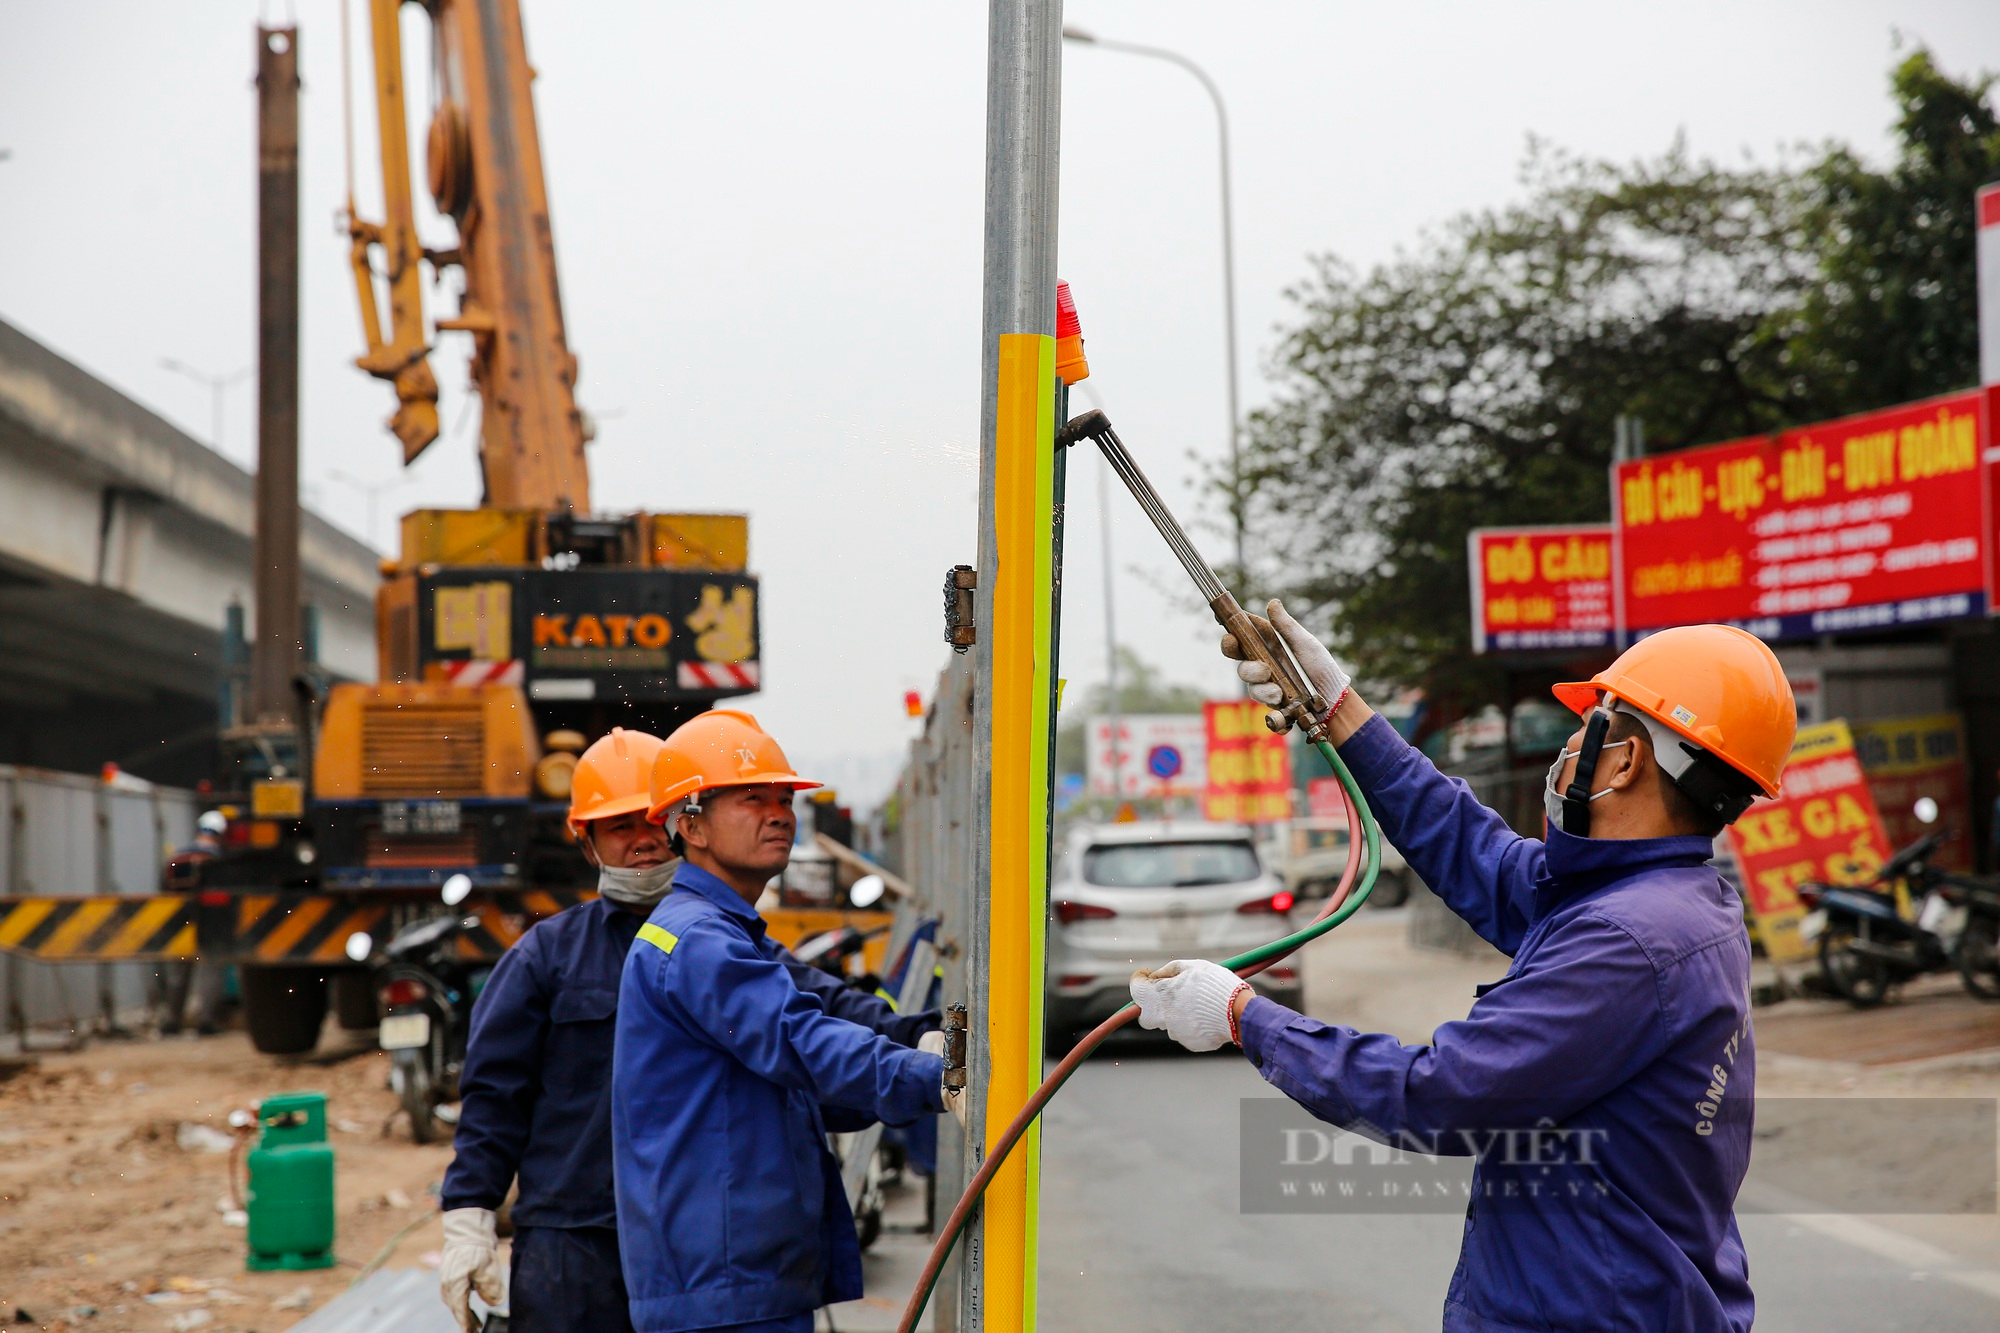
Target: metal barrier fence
928, 841
63, 833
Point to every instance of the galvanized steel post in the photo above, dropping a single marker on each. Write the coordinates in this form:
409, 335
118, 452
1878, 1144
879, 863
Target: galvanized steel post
996, 1285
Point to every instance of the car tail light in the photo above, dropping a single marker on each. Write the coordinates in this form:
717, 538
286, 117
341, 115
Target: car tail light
1282, 974
1809, 892
404, 990
1070, 913
1277, 904
1075, 979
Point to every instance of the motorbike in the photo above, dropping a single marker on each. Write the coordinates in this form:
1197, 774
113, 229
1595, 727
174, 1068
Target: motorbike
427, 993
1979, 943
1867, 946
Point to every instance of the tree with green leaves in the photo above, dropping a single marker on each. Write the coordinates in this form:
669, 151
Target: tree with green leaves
1475, 380
1894, 314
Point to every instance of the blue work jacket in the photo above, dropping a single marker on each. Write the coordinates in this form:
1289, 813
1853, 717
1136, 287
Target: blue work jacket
536, 1087
1618, 1047
730, 1206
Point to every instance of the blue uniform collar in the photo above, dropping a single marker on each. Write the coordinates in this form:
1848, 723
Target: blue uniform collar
1577, 865
692, 879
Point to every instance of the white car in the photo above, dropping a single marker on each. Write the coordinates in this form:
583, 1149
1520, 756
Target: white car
1126, 896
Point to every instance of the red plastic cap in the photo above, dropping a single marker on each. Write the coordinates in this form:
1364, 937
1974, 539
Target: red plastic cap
1067, 324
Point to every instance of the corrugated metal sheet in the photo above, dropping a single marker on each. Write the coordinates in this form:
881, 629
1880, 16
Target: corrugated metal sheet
64, 834
390, 1300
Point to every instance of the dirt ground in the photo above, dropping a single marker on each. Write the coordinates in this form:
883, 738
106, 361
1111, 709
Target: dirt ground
107, 1222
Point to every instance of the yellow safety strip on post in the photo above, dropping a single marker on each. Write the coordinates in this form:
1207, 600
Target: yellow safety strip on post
663, 940
1023, 501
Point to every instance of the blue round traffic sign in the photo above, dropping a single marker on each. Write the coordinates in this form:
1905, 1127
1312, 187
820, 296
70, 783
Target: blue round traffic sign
1163, 761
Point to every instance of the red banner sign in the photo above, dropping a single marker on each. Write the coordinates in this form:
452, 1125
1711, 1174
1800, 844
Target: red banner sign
1544, 587
1249, 766
1823, 826
1869, 521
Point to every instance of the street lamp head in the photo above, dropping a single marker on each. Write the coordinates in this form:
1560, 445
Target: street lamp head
1073, 34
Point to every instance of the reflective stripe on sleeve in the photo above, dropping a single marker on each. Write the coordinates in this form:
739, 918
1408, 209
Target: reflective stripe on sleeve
663, 940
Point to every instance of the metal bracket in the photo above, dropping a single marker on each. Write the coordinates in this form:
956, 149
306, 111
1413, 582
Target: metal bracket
954, 1046
959, 630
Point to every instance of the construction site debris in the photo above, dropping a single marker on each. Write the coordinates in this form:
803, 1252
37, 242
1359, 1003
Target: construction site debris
198, 1138
102, 1205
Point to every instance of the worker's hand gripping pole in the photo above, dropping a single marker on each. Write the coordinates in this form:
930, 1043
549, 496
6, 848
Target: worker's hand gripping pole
1254, 636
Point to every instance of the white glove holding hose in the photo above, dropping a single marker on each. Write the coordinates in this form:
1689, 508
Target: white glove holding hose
1324, 674
1190, 999
471, 1262
932, 1043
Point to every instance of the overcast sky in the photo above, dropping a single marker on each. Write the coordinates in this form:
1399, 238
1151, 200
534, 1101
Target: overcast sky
767, 218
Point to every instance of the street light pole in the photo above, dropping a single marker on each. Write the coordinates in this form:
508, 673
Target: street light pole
216, 384
1078, 35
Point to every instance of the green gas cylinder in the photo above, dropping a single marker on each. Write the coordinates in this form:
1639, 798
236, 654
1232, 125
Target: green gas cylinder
291, 1184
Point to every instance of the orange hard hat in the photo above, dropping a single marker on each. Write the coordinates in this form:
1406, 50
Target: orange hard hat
613, 777
721, 748
1713, 685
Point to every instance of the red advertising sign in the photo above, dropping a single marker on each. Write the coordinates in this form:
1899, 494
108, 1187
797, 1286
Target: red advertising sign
1249, 766
1542, 587
1869, 521
1823, 826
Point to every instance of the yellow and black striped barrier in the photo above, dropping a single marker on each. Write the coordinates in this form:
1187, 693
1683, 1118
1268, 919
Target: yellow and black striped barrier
250, 927
99, 929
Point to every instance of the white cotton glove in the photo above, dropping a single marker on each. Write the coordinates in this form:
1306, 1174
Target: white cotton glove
471, 1261
1324, 674
932, 1043
1190, 999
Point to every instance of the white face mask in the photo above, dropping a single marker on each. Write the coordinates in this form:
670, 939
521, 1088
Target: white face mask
1552, 800
636, 888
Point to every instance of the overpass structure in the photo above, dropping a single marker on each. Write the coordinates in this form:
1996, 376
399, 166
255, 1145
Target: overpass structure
124, 544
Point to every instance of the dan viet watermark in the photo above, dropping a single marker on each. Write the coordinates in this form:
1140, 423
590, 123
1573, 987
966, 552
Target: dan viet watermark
1807, 1155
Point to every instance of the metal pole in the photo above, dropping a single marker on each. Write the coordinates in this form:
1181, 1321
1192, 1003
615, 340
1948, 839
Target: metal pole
275, 657
1228, 262
1110, 628
1023, 121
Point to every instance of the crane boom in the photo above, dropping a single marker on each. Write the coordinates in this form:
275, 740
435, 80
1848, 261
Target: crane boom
485, 173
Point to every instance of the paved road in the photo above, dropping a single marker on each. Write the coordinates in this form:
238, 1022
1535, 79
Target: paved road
1141, 1230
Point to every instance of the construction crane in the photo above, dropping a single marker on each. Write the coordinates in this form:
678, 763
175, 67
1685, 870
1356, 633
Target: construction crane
508, 634
485, 172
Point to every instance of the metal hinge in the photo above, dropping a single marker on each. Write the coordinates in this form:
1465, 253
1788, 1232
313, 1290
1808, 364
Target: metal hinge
959, 631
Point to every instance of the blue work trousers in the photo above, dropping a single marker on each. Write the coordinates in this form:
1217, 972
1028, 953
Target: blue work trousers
565, 1280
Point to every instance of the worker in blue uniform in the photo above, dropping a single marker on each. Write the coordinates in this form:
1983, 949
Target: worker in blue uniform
727, 1078
535, 1092
1605, 1083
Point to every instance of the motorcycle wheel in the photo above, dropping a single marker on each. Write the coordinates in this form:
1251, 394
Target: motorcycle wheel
414, 1090
1860, 980
1979, 957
